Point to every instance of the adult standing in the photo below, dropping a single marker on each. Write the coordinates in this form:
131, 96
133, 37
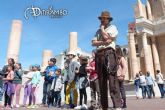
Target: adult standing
3, 74
160, 81
71, 84
143, 84
137, 85
10, 62
150, 85
106, 61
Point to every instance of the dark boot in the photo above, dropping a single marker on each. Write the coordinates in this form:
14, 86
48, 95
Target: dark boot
124, 103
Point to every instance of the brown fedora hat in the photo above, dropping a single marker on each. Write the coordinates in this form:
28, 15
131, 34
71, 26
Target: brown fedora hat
105, 14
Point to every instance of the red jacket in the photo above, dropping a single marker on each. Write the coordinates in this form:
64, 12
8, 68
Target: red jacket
93, 73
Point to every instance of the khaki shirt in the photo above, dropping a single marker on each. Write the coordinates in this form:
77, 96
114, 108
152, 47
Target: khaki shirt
112, 31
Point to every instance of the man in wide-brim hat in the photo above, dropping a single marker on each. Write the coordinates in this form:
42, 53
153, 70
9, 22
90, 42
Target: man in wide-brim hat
106, 62
105, 15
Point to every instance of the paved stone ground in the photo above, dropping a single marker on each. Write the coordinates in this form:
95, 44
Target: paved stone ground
132, 103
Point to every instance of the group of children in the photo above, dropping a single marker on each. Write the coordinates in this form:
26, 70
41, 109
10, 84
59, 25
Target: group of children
52, 86
78, 75
13, 78
11, 84
84, 75
32, 80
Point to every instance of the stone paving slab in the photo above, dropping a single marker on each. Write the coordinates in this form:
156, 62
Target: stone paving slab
132, 103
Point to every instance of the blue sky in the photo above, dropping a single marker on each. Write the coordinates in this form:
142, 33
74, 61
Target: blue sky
46, 33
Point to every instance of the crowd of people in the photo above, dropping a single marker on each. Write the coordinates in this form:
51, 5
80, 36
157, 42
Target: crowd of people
106, 69
146, 83
76, 77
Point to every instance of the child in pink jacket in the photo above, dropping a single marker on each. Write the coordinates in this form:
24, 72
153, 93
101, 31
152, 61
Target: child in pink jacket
122, 67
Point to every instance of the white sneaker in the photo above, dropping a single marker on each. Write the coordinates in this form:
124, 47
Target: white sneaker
12, 106
78, 107
118, 109
85, 106
17, 106
1, 103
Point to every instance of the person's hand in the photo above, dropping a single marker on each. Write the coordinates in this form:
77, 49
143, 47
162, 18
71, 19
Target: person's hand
88, 69
102, 27
68, 84
121, 78
76, 71
107, 42
51, 73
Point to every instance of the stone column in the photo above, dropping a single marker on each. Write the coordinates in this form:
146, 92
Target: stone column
149, 13
147, 55
127, 72
155, 54
140, 10
73, 41
132, 55
47, 54
140, 6
14, 40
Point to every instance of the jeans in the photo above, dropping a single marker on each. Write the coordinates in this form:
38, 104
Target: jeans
144, 91
57, 96
161, 89
46, 92
151, 91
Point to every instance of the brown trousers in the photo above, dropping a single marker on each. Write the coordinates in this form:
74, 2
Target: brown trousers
106, 66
